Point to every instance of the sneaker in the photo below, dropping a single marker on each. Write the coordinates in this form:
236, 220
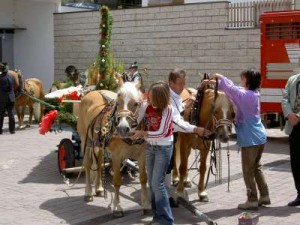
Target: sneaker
248, 205
264, 200
296, 202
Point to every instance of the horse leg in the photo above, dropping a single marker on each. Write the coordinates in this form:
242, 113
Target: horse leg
143, 179
117, 209
88, 197
175, 174
30, 115
99, 190
184, 155
17, 108
201, 186
23, 115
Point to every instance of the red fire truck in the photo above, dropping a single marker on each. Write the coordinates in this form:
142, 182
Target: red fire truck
280, 57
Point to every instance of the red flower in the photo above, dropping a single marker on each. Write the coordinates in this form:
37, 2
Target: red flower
61, 98
47, 122
102, 75
74, 96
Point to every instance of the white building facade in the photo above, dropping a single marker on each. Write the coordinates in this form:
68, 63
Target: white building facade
26, 37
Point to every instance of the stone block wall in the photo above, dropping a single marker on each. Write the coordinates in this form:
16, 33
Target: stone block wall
192, 36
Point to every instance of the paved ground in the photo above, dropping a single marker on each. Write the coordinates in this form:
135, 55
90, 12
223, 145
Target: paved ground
33, 192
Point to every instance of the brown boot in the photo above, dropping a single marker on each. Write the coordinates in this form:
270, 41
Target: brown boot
248, 205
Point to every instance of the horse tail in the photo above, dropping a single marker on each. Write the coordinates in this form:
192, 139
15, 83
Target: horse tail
42, 97
42, 92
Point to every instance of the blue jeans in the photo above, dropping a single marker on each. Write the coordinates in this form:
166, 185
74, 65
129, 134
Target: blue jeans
157, 162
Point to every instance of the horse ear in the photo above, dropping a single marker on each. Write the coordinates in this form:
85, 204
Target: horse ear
120, 79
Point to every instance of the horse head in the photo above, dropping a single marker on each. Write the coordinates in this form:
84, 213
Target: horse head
221, 113
128, 104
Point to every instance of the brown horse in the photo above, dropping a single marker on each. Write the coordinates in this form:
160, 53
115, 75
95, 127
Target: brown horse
93, 120
216, 114
16, 77
32, 87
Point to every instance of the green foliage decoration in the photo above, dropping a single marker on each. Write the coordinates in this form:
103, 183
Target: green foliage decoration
104, 57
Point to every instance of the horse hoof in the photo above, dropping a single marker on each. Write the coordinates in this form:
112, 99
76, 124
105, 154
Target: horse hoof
118, 214
88, 198
27, 125
147, 212
99, 193
203, 198
175, 183
187, 184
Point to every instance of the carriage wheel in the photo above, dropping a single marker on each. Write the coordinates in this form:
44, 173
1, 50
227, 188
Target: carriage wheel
66, 156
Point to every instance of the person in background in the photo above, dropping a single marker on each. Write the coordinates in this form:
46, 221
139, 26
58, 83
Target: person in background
177, 79
251, 134
7, 98
135, 76
157, 114
291, 110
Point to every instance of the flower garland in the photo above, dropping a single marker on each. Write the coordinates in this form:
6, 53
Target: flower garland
104, 59
64, 114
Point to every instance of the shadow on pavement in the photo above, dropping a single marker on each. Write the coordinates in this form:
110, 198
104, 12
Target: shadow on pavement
45, 172
278, 211
61, 206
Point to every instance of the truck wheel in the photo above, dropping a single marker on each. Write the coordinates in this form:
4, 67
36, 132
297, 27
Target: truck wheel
66, 156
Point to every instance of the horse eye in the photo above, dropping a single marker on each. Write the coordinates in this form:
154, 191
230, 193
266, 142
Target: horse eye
136, 104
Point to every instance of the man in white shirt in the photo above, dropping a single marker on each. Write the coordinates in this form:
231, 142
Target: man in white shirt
177, 79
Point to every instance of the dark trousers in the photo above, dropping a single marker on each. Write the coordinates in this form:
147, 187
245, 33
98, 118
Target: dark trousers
294, 141
252, 172
172, 163
9, 107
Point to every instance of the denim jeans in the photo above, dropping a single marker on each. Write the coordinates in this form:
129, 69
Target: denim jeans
157, 162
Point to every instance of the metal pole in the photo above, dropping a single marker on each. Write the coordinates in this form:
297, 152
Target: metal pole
195, 211
40, 101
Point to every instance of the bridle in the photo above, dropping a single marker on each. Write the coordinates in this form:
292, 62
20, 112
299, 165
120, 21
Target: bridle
213, 121
131, 116
222, 123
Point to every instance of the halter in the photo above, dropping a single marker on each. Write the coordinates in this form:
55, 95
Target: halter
221, 122
128, 114
196, 112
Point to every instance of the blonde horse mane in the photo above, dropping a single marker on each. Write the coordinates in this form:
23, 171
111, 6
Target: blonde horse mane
130, 89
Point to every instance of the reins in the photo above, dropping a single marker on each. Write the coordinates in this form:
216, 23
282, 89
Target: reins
213, 137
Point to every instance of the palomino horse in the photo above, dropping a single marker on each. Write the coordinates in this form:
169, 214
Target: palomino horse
16, 77
32, 87
94, 116
216, 114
